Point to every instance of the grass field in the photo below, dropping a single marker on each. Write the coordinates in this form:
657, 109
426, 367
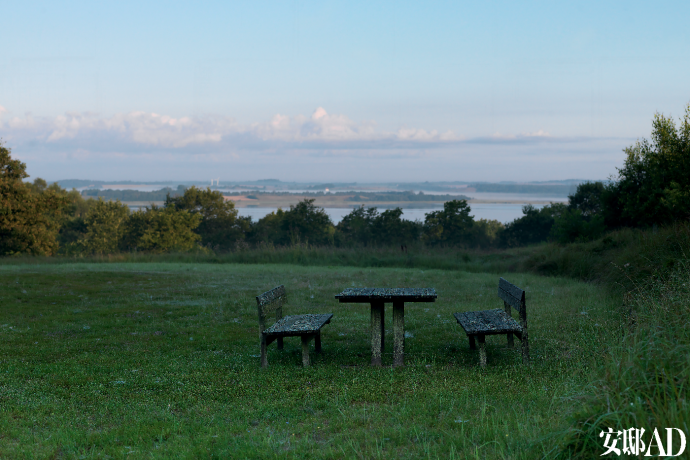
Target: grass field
160, 360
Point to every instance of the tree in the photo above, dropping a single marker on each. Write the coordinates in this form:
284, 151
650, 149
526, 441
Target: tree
365, 226
28, 220
450, 226
533, 227
73, 226
268, 229
485, 233
653, 186
161, 230
390, 229
583, 219
105, 226
587, 198
306, 223
357, 226
220, 225
573, 225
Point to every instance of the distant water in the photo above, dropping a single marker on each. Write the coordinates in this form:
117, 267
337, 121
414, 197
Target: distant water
491, 211
475, 195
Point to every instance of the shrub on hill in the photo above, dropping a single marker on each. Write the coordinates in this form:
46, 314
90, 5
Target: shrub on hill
30, 215
653, 186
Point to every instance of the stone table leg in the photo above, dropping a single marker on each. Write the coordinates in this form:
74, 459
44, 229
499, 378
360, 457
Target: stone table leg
376, 333
383, 328
317, 342
473, 344
305, 350
398, 333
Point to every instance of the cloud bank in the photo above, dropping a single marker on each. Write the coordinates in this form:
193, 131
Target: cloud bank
150, 131
142, 145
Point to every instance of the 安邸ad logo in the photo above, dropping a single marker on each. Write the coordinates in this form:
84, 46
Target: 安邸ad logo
633, 442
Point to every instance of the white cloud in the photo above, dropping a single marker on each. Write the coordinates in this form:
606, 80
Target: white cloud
136, 127
540, 133
413, 134
319, 135
152, 129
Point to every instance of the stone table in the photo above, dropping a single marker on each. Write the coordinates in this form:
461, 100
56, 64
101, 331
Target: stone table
378, 297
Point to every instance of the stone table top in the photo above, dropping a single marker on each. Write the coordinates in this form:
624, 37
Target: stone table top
366, 295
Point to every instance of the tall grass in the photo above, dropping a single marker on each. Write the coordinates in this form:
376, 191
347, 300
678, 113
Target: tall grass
623, 259
620, 259
645, 378
418, 256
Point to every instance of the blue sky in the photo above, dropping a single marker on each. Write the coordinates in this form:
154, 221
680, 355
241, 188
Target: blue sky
335, 90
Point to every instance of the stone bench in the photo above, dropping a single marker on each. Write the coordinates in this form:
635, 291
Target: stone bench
305, 326
479, 324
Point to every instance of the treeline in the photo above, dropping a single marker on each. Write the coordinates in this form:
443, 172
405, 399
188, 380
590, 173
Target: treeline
652, 188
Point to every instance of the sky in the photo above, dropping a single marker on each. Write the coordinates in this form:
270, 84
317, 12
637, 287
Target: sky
337, 90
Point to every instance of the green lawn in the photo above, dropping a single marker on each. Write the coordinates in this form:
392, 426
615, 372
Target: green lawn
160, 360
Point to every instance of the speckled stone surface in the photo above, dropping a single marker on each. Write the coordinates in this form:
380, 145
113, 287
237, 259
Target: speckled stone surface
277, 294
299, 324
487, 322
358, 295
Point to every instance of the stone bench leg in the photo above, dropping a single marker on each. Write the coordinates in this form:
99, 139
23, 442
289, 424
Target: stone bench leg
398, 333
509, 335
264, 358
482, 350
525, 349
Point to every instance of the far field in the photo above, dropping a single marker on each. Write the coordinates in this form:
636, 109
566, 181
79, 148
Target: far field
160, 360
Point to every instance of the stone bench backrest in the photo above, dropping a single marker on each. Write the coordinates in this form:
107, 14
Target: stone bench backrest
514, 297
270, 302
